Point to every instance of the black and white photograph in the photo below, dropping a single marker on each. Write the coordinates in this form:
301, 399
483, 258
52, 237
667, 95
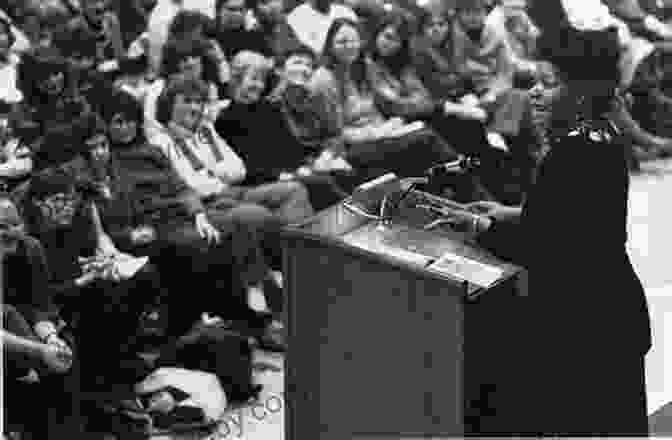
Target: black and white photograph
335, 219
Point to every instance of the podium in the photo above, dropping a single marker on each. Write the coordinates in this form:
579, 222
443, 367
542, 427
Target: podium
390, 334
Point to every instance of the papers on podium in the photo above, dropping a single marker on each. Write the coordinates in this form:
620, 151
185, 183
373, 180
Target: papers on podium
465, 269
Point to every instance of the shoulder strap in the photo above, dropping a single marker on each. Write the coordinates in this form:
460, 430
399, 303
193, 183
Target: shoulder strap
195, 162
206, 135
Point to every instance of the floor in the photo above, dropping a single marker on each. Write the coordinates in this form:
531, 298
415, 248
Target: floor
650, 248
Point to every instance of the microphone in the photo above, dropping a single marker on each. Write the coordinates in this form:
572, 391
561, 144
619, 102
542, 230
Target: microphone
461, 165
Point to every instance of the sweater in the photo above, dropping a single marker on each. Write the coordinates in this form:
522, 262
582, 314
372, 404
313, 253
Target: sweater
266, 152
403, 95
26, 282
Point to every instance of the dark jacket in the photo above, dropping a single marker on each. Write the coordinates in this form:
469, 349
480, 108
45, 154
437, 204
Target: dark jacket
571, 237
437, 70
266, 152
48, 130
233, 41
158, 194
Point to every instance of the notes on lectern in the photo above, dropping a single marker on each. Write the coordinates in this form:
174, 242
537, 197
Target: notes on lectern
472, 271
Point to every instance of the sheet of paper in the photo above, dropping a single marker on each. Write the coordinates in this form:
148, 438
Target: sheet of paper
475, 272
377, 242
128, 267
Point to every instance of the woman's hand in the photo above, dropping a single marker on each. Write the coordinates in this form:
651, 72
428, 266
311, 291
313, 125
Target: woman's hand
56, 357
285, 176
494, 210
206, 230
466, 111
395, 122
470, 100
106, 248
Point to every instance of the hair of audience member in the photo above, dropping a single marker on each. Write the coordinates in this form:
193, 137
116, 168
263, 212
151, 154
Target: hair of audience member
78, 41
186, 22
123, 103
185, 87
295, 51
49, 182
246, 61
36, 67
176, 51
219, 4
427, 16
358, 72
7, 29
91, 126
402, 58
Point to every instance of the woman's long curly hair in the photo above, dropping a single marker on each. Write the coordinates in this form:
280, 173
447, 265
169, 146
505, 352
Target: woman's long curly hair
402, 58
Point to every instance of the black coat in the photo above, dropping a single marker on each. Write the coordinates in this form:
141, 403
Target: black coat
584, 328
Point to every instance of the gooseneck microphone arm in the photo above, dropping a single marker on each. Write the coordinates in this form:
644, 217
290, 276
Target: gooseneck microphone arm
461, 165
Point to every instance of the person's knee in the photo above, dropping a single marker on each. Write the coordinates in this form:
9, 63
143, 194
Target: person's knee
296, 190
251, 214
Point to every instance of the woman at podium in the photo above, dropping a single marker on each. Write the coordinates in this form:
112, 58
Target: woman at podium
585, 327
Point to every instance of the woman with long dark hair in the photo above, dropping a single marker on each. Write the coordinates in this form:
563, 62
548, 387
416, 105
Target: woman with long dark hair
585, 327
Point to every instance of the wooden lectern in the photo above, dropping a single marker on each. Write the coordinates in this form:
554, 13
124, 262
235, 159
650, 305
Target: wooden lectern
383, 343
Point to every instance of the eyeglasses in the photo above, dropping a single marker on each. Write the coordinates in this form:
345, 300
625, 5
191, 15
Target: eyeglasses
347, 43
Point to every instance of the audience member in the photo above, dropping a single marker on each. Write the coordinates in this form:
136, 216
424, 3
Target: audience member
16, 163
29, 312
483, 57
87, 286
50, 110
186, 59
9, 61
278, 35
100, 25
237, 29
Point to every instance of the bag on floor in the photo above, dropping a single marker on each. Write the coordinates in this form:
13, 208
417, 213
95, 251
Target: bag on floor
218, 350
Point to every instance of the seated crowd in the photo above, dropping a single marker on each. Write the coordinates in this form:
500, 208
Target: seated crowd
135, 129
